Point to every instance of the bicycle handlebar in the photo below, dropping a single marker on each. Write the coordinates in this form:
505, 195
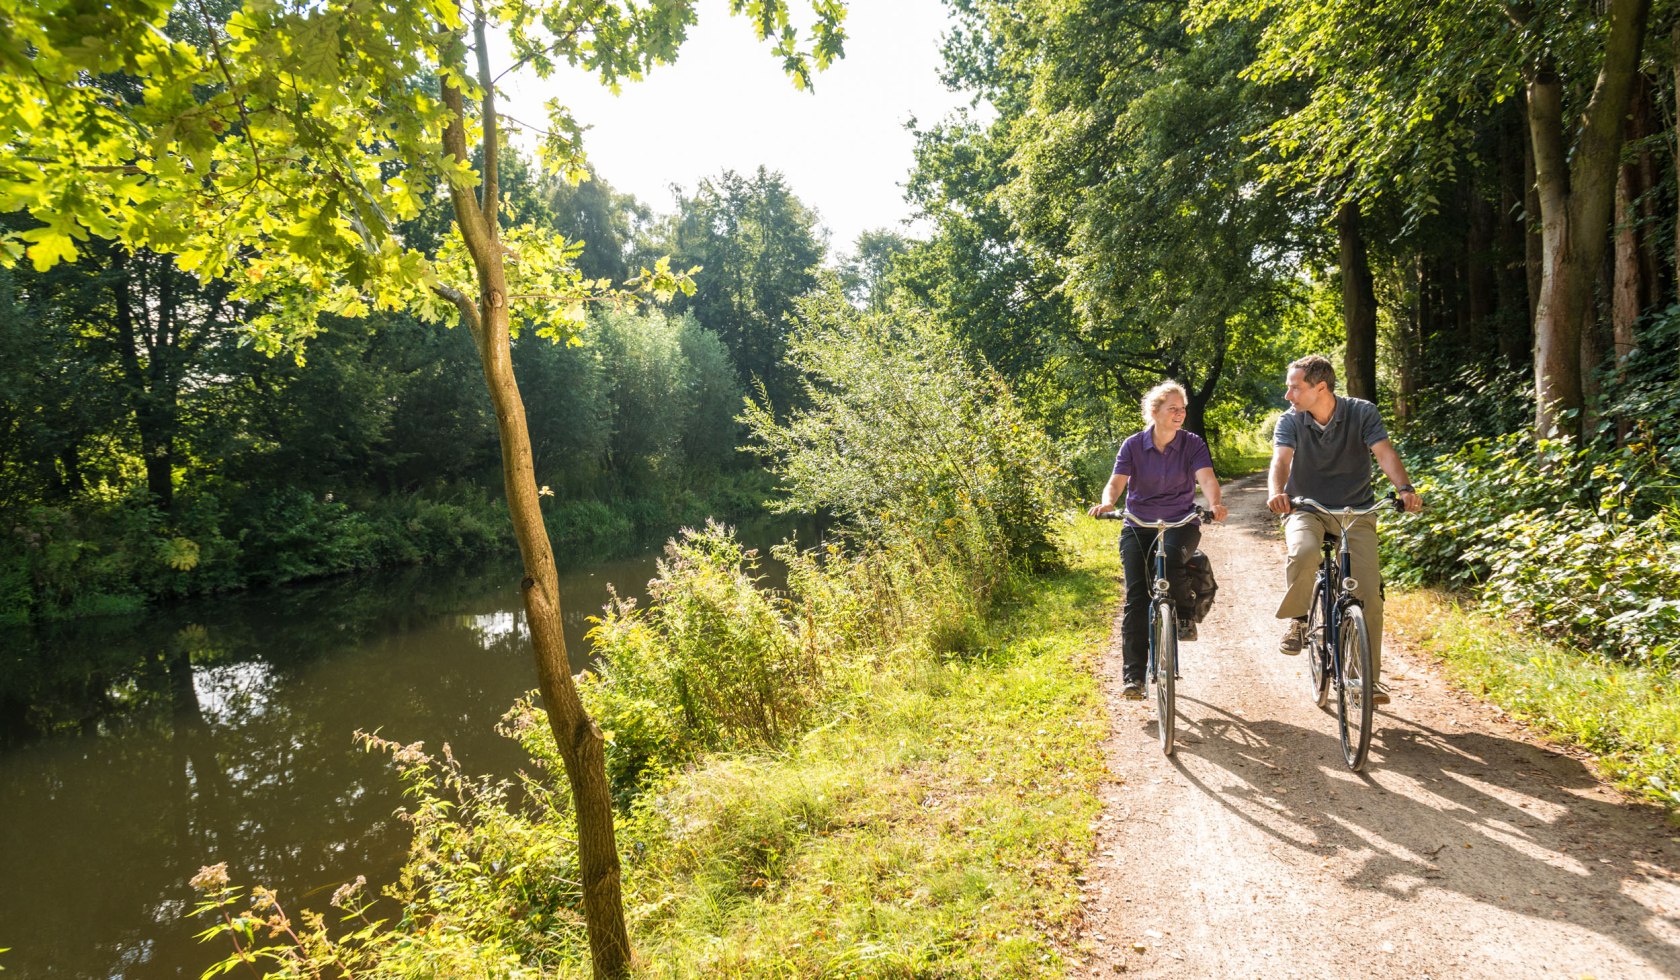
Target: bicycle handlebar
1136, 521
1389, 502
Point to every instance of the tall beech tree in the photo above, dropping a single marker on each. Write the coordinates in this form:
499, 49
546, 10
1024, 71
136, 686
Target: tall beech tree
278, 153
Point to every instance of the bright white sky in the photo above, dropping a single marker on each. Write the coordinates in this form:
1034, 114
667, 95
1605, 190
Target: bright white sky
725, 104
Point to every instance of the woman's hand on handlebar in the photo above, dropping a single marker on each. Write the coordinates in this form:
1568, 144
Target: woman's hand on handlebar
1101, 509
1220, 512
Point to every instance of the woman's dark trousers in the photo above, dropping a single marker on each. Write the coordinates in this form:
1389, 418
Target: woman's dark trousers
1135, 560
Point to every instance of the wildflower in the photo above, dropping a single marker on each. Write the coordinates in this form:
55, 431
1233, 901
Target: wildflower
262, 898
347, 891
211, 878
411, 755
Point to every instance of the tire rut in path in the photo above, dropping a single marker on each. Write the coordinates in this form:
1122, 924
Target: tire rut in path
1466, 849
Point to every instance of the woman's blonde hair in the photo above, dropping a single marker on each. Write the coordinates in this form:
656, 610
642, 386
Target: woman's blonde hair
1153, 398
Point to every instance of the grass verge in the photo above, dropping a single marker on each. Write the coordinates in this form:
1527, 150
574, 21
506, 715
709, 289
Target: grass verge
1629, 717
934, 828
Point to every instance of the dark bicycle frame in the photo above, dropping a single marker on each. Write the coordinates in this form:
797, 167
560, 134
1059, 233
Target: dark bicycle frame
1160, 600
1330, 595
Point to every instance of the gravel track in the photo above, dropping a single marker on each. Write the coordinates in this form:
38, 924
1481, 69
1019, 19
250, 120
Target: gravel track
1468, 848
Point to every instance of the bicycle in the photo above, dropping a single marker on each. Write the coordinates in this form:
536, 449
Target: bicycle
1162, 669
1337, 644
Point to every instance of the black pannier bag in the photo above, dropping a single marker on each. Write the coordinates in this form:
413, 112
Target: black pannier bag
1202, 583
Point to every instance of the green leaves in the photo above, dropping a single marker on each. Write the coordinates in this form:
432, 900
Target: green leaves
905, 435
1391, 87
51, 245
280, 149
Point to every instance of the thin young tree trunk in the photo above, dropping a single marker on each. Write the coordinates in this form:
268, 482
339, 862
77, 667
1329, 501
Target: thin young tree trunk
1479, 281
1359, 306
1577, 192
579, 739
1534, 252
1674, 37
1627, 294
1515, 336
151, 396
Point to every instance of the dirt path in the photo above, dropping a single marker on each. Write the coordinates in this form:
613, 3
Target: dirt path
1465, 850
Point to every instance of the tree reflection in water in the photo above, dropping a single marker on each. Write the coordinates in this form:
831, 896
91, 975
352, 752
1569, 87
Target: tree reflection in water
135, 749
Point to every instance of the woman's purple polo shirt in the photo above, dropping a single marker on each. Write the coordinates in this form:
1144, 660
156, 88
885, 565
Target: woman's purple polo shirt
1161, 486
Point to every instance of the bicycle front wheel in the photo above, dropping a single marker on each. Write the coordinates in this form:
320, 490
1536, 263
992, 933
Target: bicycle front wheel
1165, 643
1355, 688
1317, 647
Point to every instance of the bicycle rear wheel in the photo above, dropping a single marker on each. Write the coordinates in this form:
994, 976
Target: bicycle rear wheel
1355, 688
1165, 644
1317, 648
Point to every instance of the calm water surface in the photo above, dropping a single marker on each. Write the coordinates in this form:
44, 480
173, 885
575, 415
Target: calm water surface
133, 750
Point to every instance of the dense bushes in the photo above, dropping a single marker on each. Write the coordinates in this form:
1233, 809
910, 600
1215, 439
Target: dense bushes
905, 435
1582, 541
98, 556
945, 489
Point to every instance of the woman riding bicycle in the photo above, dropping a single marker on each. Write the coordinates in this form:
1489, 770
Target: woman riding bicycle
1157, 471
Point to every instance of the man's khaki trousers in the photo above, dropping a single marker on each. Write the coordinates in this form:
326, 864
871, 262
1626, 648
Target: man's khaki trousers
1302, 534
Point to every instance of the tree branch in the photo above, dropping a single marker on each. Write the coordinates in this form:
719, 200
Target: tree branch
491, 191
469, 310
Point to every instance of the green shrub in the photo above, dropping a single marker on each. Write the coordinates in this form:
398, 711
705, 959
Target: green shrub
1581, 542
16, 596
710, 664
905, 433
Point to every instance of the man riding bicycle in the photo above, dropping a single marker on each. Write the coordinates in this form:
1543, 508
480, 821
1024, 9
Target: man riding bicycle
1157, 471
1322, 449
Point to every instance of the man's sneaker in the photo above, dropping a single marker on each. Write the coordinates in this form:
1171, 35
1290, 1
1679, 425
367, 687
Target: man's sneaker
1133, 691
1293, 636
1380, 695
1186, 631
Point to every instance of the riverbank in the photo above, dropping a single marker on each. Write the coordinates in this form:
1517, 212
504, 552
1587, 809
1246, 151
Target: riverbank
100, 557
935, 823
938, 826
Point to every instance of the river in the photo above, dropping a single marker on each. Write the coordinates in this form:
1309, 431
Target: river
135, 749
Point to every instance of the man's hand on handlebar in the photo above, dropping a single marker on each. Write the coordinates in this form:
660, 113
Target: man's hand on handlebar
1220, 512
1101, 509
1410, 502
1278, 503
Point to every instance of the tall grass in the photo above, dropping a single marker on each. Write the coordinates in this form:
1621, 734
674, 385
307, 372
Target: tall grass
1625, 714
887, 770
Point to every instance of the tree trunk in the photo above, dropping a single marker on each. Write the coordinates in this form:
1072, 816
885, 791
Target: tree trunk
1593, 344
1515, 309
1479, 280
1200, 396
1359, 306
1577, 192
579, 739
1627, 293
1405, 400
1534, 253
151, 390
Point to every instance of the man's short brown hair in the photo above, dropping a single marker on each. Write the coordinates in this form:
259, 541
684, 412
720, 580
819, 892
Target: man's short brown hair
1315, 368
